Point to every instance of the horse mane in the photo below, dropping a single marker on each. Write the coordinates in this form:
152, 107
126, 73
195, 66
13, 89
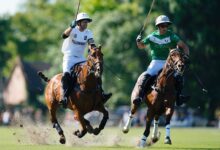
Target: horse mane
161, 79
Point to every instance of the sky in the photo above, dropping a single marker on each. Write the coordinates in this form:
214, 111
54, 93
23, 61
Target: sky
9, 6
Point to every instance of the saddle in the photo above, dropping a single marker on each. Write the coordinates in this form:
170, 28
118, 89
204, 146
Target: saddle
152, 82
74, 73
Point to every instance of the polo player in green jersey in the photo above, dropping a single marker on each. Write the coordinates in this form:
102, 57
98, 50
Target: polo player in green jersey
160, 42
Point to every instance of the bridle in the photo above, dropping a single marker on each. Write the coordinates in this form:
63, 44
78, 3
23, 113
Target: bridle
174, 67
95, 65
177, 66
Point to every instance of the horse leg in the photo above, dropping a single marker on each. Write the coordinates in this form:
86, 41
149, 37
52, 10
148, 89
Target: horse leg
103, 121
156, 134
88, 126
146, 133
137, 94
56, 125
82, 122
168, 114
131, 115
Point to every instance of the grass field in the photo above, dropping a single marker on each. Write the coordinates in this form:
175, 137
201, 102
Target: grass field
45, 138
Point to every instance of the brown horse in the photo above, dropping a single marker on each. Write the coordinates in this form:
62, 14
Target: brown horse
161, 99
85, 97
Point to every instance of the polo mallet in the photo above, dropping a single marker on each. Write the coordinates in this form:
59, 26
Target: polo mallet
77, 11
147, 18
200, 82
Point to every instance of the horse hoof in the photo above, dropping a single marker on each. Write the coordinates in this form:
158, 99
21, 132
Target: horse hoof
167, 140
90, 130
96, 131
81, 134
76, 133
125, 130
62, 140
155, 139
141, 143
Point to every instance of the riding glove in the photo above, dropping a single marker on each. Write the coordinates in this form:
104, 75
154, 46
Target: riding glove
139, 37
73, 24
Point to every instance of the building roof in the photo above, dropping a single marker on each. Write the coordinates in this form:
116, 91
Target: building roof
30, 70
24, 82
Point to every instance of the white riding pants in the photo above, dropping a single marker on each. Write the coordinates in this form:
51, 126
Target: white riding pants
154, 67
69, 62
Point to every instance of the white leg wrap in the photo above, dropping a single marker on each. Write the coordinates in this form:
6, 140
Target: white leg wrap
167, 130
143, 141
155, 129
128, 124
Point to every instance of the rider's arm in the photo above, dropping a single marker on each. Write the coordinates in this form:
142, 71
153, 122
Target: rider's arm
185, 48
66, 33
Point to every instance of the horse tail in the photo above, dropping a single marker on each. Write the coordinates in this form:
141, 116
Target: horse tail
46, 79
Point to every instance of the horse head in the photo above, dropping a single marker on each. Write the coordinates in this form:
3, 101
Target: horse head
176, 61
95, 60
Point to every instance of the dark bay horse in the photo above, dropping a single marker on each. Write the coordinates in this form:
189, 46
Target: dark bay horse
161, 99
84, 98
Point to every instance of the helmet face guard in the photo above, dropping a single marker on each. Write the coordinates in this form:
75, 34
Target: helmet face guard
83, 16
162, 19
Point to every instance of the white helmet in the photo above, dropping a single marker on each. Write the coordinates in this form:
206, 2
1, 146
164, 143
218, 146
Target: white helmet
162, 19
83, 16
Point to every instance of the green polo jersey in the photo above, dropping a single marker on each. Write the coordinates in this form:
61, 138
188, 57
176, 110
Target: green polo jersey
160, 44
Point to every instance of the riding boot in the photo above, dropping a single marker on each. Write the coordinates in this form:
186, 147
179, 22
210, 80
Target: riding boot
66, 78
180, 99
140, 89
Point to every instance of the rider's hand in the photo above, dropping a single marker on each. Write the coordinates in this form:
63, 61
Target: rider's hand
73, 24
139, 38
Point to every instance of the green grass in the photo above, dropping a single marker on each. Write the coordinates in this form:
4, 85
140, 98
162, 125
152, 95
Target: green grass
45, 138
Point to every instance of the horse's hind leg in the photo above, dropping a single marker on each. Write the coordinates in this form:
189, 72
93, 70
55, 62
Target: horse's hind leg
56, 125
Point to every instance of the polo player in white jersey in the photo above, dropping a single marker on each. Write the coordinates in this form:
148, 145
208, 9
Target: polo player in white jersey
76, 37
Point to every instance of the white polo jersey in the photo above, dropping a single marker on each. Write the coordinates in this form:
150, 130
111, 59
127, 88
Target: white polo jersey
75, 44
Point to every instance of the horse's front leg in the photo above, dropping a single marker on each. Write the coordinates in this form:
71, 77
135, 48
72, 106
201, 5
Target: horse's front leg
83, 131
155, 134
88, 126
168, 115
149, 118
103, 121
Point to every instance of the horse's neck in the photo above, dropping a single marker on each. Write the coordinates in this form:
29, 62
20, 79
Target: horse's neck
86, 79
164, 77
